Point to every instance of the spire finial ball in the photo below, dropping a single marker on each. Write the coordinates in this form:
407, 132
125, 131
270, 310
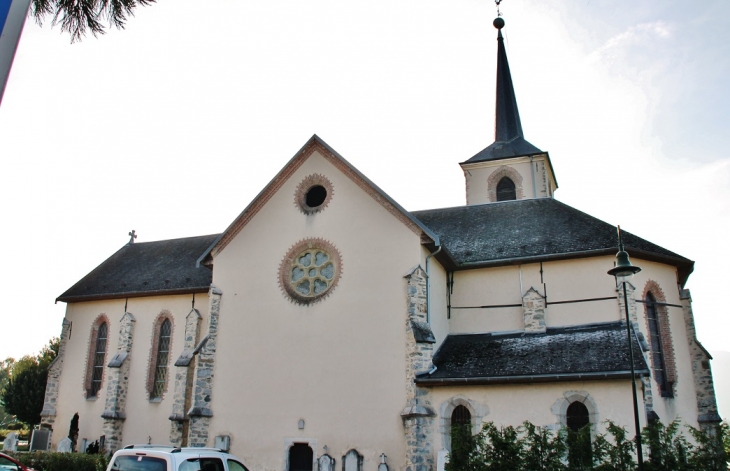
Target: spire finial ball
498, 22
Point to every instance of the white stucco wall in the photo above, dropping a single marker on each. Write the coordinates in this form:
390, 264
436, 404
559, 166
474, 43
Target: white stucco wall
512, 404
144, 418
537, 179
338, 364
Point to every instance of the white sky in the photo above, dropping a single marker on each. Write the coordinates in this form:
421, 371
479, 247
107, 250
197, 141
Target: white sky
172, 126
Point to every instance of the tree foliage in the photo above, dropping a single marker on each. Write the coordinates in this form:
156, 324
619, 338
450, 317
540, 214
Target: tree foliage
77, 17
24, 391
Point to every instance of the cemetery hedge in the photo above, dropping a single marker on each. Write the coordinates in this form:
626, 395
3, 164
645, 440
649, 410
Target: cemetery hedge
51, 461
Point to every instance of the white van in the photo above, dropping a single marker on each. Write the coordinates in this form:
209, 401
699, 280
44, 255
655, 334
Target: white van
169, 458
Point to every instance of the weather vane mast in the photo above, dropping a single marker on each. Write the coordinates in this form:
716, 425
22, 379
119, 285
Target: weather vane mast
499, 13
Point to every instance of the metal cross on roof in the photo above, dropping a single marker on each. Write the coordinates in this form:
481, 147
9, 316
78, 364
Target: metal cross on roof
132, 236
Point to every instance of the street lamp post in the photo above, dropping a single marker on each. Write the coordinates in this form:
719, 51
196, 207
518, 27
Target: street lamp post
623, 271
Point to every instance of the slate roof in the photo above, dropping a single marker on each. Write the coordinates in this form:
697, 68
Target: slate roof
595, 351
523, 231
147, 268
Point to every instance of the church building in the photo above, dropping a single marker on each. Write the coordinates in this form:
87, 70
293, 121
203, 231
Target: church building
328, 327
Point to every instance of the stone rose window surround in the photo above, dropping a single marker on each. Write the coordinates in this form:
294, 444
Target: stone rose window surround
313, 194
310, 270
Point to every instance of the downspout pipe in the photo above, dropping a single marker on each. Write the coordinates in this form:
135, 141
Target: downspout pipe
532, 171
428, 285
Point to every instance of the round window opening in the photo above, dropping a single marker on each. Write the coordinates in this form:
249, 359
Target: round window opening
313, 193
315, 196
310, 270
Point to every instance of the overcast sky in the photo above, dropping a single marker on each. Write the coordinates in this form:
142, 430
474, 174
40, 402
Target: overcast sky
173, 125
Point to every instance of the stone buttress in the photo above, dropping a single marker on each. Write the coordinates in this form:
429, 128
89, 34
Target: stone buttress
707, 415
50, 401
418, 416
201, 412
533, 312
117, 386
184, 372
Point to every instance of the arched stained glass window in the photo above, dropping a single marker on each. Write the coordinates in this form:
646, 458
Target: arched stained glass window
163, 356
506, 190
657, 350
97, 373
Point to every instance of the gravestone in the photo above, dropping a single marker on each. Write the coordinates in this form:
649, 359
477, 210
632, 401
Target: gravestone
352, 461
326, 463
65, 446
11, 442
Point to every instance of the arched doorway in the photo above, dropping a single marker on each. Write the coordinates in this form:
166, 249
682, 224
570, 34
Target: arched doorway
301, 457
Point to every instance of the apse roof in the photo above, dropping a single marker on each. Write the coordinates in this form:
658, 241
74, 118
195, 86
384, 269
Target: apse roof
145, 269
532, 230
584, 352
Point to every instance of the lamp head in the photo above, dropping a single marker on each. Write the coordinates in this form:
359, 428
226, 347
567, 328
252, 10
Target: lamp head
624, 270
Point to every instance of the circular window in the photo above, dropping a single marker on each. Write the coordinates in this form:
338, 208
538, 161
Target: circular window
310, 270
313, 194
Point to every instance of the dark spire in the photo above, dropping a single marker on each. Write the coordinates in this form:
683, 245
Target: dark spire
508, 138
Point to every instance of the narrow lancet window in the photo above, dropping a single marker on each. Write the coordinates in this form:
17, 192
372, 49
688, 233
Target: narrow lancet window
163, 354
657, 351
97, 373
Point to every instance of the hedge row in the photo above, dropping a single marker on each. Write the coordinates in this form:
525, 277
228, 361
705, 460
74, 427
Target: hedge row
51, 461
531, 448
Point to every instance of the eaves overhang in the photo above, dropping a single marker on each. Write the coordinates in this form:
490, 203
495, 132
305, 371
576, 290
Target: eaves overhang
547, 378
684, 266
469, 163
133, 294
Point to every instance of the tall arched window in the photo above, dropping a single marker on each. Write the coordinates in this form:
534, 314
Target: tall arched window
158, 369
579, 436
461, 416
99, 354
163, 356
506, 190
657, 350
461, 437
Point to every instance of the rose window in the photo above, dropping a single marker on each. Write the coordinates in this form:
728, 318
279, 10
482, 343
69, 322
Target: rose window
310, 270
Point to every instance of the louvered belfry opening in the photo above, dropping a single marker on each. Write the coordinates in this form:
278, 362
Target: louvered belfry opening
300, 457
506, 190
657, 350
99, 354
163, 353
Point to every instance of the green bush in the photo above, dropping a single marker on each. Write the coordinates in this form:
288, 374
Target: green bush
50, 461
533, 448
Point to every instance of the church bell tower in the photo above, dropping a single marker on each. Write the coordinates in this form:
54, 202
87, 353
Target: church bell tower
510, 168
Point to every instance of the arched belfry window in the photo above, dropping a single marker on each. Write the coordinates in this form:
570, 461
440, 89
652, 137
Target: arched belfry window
657, 350
97, 355
506, 190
